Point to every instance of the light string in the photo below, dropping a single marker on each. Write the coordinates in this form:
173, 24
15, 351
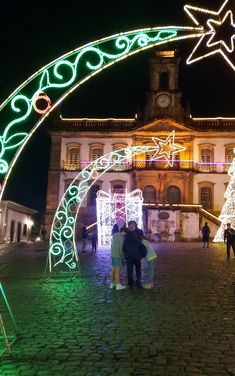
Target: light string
54, 85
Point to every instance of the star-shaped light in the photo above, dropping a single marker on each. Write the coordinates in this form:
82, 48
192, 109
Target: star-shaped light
212, 43
167, 148
212, 22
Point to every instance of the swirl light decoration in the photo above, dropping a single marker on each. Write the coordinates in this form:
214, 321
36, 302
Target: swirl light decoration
60, 78
19, 113
63, 250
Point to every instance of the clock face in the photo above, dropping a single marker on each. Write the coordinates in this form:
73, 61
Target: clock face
163, 100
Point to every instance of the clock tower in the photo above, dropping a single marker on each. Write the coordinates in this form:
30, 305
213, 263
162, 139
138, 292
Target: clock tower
164, 97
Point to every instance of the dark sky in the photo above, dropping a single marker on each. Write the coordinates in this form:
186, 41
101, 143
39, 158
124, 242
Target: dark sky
32, 34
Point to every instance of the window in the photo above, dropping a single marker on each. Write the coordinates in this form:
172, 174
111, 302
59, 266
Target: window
173, 195
73, 157
149, 194
93, 191
123, 165
206, 155
164, 80
96, 153
206, 158
206, 197
230, 155
118, 188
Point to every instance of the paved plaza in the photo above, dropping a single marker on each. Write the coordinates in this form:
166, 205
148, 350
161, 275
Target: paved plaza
184, 326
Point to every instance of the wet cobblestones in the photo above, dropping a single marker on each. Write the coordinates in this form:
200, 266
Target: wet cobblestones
184, 326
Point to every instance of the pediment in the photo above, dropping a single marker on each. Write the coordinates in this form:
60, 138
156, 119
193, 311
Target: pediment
165, 125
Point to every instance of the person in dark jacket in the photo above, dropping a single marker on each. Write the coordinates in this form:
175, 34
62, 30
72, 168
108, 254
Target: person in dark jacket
94, 239
133, 250
205, 235
132, 226
229, 235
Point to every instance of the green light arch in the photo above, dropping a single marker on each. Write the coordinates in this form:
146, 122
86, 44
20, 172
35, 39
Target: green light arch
56, 81
63, 255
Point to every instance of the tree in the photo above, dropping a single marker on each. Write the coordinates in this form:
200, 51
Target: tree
227, 214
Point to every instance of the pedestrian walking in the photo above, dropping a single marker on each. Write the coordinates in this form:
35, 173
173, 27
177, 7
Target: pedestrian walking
229, 238
94, 239
134, 250
84, 234
150, 258
117, 258
206, 235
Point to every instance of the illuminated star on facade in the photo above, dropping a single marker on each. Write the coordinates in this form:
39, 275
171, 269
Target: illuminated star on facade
167, 148
211, 42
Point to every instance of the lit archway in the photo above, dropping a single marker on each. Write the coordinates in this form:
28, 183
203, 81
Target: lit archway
63, 250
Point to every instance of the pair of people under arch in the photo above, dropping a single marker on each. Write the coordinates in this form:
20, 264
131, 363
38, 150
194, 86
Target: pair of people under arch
129, 246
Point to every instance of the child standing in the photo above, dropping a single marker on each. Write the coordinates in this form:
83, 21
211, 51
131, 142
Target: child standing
150, 257
117, 258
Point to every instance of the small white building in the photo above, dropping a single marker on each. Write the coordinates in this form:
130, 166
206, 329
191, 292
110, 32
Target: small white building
16, 222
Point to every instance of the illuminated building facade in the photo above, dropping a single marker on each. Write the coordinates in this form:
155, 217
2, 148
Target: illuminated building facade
196, 181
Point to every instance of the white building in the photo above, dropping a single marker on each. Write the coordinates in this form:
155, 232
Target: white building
197, 179
15, 222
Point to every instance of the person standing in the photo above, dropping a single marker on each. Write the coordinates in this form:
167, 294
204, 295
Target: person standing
229, 236
206, 235
117, 258
134, 250
84, 234
150, 257
132, 226
94, 239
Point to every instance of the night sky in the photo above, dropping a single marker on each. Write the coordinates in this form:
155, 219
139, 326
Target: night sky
34, 34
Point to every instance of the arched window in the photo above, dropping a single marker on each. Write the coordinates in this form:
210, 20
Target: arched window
173, 195
164, 80
206, 197
149, 194
93, 191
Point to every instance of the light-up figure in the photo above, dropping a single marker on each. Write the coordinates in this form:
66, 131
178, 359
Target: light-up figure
113, 207
228, 211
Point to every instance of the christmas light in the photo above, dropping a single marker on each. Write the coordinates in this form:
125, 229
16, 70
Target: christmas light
58, 79
227, 214
113, 207
167, 148
20, 108
208, 39
63, 249
41, 97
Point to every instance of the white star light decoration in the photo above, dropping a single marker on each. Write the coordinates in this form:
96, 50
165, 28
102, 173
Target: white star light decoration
209, 41
167, 148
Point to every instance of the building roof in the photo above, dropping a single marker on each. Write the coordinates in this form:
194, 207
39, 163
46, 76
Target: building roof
17, 207
120, 125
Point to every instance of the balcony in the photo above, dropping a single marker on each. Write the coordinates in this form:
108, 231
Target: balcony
158, 165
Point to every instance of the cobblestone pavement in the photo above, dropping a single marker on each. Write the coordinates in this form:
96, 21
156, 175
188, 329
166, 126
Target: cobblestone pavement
184, 326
